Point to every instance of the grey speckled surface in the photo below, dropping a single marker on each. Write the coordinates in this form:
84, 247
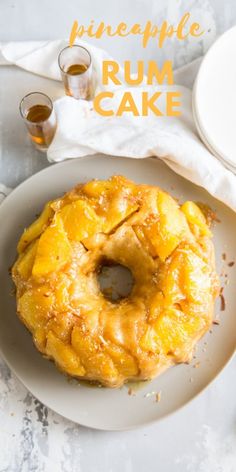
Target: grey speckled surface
200, 437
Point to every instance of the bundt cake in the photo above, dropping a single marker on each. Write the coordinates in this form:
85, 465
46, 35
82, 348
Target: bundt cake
167, 248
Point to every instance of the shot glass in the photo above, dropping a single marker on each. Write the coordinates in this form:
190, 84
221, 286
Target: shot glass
37, 111
76, 71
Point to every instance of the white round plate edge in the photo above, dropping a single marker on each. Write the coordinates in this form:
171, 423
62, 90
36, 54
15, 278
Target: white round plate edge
209, 142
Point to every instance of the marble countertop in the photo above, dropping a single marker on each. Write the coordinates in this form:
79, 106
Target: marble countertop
202, 435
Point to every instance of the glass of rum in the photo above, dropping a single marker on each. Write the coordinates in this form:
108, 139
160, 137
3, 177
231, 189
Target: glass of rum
37, 111
76, 71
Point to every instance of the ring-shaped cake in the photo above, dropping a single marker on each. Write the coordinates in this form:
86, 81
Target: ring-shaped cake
167, 248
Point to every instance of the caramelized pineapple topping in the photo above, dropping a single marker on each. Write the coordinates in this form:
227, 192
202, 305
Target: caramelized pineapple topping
168, 250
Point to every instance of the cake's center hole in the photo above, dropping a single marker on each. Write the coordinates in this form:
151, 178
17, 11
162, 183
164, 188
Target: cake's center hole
115, 280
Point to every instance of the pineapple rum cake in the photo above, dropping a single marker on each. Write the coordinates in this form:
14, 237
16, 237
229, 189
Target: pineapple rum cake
166, 247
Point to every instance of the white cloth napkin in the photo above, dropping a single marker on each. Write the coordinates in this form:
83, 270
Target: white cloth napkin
81, 131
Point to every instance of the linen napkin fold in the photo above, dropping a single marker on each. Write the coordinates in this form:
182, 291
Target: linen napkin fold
81, 131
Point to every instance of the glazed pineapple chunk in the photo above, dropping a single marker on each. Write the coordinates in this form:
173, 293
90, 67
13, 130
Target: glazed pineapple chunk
115, 200
61, 290
35, 306
172, 279
96, 362
186, 277
120, 204
169, 229
119, 209
61, 325
25, 263
144, 239
97, 188
196, 278
83, 344
64, 355
123, 361
150, 341
156, 306
53, 251
196, 218
80, 220
36, 228
175, 330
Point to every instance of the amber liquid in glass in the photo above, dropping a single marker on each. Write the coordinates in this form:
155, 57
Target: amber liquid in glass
75, 84
40, 126
76, 69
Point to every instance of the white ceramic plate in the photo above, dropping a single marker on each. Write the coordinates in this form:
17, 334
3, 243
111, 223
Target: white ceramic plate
214, 99
98, 407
